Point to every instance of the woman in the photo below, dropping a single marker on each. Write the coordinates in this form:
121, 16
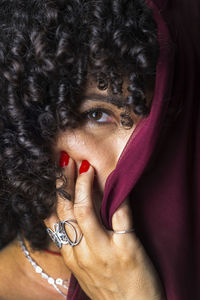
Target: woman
77, 82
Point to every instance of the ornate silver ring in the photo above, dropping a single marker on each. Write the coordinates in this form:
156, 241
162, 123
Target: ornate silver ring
59, 235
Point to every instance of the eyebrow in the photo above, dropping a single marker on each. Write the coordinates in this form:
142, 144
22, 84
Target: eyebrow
117, 101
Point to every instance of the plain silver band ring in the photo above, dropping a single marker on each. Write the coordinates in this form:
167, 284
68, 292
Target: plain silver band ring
124, 231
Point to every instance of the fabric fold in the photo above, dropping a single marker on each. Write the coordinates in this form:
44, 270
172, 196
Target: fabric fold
160, 166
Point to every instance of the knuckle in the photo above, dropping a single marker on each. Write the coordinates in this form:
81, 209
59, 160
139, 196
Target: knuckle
126, 258
84, 260
63, 196
81, 210
132, 254
82, 263
80, 185
119, 216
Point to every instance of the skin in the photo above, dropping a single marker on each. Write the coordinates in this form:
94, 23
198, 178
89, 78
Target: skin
19, 280
95, 138
124, 270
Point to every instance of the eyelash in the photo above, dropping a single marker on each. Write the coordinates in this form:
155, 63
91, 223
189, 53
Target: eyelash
96, 110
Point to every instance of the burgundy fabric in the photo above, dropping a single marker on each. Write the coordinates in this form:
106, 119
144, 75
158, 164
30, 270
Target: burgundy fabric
160, 166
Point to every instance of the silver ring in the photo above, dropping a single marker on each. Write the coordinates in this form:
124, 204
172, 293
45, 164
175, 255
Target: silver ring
59, 235
124, 231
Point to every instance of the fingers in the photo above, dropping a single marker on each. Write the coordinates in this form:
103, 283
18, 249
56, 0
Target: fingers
83, 205
65, 192
65, 188
122, 218
75, 201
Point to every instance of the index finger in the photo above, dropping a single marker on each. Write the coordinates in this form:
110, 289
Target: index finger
84, 211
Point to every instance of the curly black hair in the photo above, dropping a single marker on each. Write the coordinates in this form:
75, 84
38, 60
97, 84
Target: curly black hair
48, 50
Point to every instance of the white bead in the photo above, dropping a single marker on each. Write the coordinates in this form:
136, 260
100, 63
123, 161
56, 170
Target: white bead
50, 280
59, 281
45, 276
38, 269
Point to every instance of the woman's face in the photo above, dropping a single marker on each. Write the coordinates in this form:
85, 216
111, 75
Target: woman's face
101, 138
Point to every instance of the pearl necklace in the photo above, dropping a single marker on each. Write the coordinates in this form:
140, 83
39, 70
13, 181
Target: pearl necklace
39, 270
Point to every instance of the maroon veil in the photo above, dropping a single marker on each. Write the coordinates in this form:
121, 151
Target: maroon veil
160, 166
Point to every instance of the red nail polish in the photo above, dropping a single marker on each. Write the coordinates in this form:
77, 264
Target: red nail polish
64, 159
84, 167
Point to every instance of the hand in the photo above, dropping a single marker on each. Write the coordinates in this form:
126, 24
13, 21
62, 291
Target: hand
107, 265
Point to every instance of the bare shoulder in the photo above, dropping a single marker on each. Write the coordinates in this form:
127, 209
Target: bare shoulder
5, 267
9, 272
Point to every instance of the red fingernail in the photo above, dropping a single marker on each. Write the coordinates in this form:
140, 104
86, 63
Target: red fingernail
84, 167
64, 159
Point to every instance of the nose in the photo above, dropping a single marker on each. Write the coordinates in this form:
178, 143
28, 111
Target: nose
102, 153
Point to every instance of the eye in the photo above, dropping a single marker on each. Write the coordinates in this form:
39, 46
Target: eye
99, 115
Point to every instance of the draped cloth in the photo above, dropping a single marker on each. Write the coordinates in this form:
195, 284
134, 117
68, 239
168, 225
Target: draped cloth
160, 166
